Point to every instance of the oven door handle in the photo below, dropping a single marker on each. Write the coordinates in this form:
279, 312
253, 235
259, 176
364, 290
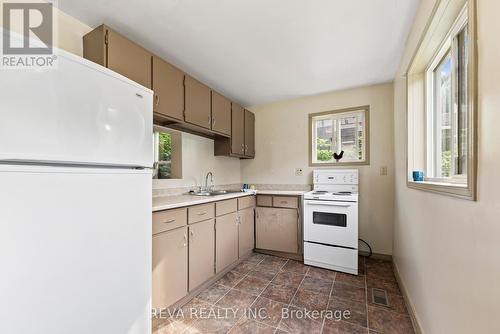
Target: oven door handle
328, 203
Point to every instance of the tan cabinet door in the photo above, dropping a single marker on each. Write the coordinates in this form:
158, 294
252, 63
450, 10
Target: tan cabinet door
246, 231
170, 267
276, 229
197, 104
237, 129
168, 86
128, 58
249, 134
226, 241
201, 252
221, 114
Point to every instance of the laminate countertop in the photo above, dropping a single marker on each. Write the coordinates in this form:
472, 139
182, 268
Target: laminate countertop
178, 201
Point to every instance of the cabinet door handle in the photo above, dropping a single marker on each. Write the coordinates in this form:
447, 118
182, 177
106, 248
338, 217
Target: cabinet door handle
209, 120
185, 240
157, 100
169, 221
242, 147
191, 233
202, 213
213, 121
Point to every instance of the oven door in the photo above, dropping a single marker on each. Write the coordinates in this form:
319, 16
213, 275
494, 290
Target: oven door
331, 223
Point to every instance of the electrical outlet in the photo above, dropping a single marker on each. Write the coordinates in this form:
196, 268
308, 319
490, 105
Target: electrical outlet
383, 171
299, 172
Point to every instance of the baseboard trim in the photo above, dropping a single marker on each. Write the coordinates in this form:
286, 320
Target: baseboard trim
376, 256
409, 305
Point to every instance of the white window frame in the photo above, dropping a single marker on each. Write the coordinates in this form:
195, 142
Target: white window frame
336, 115
443, 18
448, 47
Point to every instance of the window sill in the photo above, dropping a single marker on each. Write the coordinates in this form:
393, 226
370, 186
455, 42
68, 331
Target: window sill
458, 190
332, 164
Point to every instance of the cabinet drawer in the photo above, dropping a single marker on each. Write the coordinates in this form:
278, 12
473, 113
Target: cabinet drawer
246, 202
169, 219
285, 202
225, 207
264, 200
202, 212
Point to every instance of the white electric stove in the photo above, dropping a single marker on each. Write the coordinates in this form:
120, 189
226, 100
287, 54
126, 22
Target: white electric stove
331, 220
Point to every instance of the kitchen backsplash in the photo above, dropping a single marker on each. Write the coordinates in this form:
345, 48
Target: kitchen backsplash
299, 187
183, 190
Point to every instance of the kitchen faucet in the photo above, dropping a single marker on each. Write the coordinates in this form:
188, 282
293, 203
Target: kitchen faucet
206, 180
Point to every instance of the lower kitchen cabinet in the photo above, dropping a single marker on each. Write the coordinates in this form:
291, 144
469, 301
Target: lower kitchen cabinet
192, 244
201, 252
277, 229
170, 267
246, 231
226, 241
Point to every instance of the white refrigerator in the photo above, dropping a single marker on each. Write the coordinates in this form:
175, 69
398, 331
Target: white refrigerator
75, 200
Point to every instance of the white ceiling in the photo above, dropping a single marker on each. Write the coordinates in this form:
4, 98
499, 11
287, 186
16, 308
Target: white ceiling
258, 51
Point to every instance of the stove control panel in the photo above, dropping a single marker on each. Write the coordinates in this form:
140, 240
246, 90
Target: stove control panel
336, 176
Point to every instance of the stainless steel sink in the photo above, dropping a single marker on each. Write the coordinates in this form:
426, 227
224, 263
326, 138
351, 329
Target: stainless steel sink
200, 193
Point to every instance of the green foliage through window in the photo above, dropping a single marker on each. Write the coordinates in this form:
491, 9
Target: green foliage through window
164, 155
324, 149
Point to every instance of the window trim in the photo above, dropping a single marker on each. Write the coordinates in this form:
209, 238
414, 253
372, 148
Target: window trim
446, 48
466, 191
176, 163
366, 110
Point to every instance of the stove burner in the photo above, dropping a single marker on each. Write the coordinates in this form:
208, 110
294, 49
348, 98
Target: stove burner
343, 193
319, 192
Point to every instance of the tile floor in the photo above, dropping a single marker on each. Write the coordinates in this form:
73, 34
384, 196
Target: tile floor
267, 294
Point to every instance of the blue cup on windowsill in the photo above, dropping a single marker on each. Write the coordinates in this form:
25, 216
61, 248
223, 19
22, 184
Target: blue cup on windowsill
418, 176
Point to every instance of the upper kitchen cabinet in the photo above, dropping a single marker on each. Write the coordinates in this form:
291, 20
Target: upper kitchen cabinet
180, 101
197, 109
237, 130
249, 134
168, 87
221, 114
112, 50
242, 141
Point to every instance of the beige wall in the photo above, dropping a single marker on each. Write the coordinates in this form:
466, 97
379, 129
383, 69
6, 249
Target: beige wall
282, 145
198, 159
447, 250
